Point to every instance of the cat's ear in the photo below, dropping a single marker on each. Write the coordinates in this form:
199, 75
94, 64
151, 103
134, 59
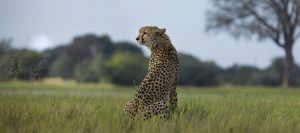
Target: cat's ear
160, 32
163, 30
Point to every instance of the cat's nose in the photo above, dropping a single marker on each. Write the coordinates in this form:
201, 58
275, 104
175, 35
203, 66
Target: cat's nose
137, 38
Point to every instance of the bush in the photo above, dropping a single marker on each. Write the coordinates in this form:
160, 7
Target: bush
126, 68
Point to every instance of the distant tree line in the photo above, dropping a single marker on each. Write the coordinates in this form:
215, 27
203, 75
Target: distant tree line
92, 58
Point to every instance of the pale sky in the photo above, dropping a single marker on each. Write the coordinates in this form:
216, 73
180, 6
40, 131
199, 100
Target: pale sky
41, 24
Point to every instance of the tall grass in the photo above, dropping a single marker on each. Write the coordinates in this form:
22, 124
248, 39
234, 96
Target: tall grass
46, 107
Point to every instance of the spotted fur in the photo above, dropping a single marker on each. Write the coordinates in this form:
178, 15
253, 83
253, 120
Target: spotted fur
158, 88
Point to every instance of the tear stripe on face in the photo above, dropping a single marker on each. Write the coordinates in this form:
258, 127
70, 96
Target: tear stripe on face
143, 38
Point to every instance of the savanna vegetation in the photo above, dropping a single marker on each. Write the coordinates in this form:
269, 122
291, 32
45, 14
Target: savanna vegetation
97, 59
66, 106
81, 86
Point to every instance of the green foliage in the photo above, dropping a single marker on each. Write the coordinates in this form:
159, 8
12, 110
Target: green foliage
5, 46
98, 69
127, 68
62, 66
241, 75
82, 73
91, 58
21, 64
5, 68
194, 72
91, 70
250, 75
128, 47
272, 76
27, 61
64, 60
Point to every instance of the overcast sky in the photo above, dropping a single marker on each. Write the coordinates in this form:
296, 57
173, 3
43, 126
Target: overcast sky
41, 24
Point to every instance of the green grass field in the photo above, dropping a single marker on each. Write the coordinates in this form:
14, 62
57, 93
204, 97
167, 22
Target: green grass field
72, 107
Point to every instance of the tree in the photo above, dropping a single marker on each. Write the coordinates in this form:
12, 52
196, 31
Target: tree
91, 70
97, 68
5, 45
82, 73
64, 60
62, 67
195, 72
277, 20
126, 68
240, 75
21, 64
127, 47
273, 74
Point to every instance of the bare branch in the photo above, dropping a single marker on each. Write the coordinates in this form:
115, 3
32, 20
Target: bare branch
276, 39
259, 18
272, 32
277, 20
296, 10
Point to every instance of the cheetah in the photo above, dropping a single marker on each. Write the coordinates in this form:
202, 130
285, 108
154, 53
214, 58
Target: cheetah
156, 94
